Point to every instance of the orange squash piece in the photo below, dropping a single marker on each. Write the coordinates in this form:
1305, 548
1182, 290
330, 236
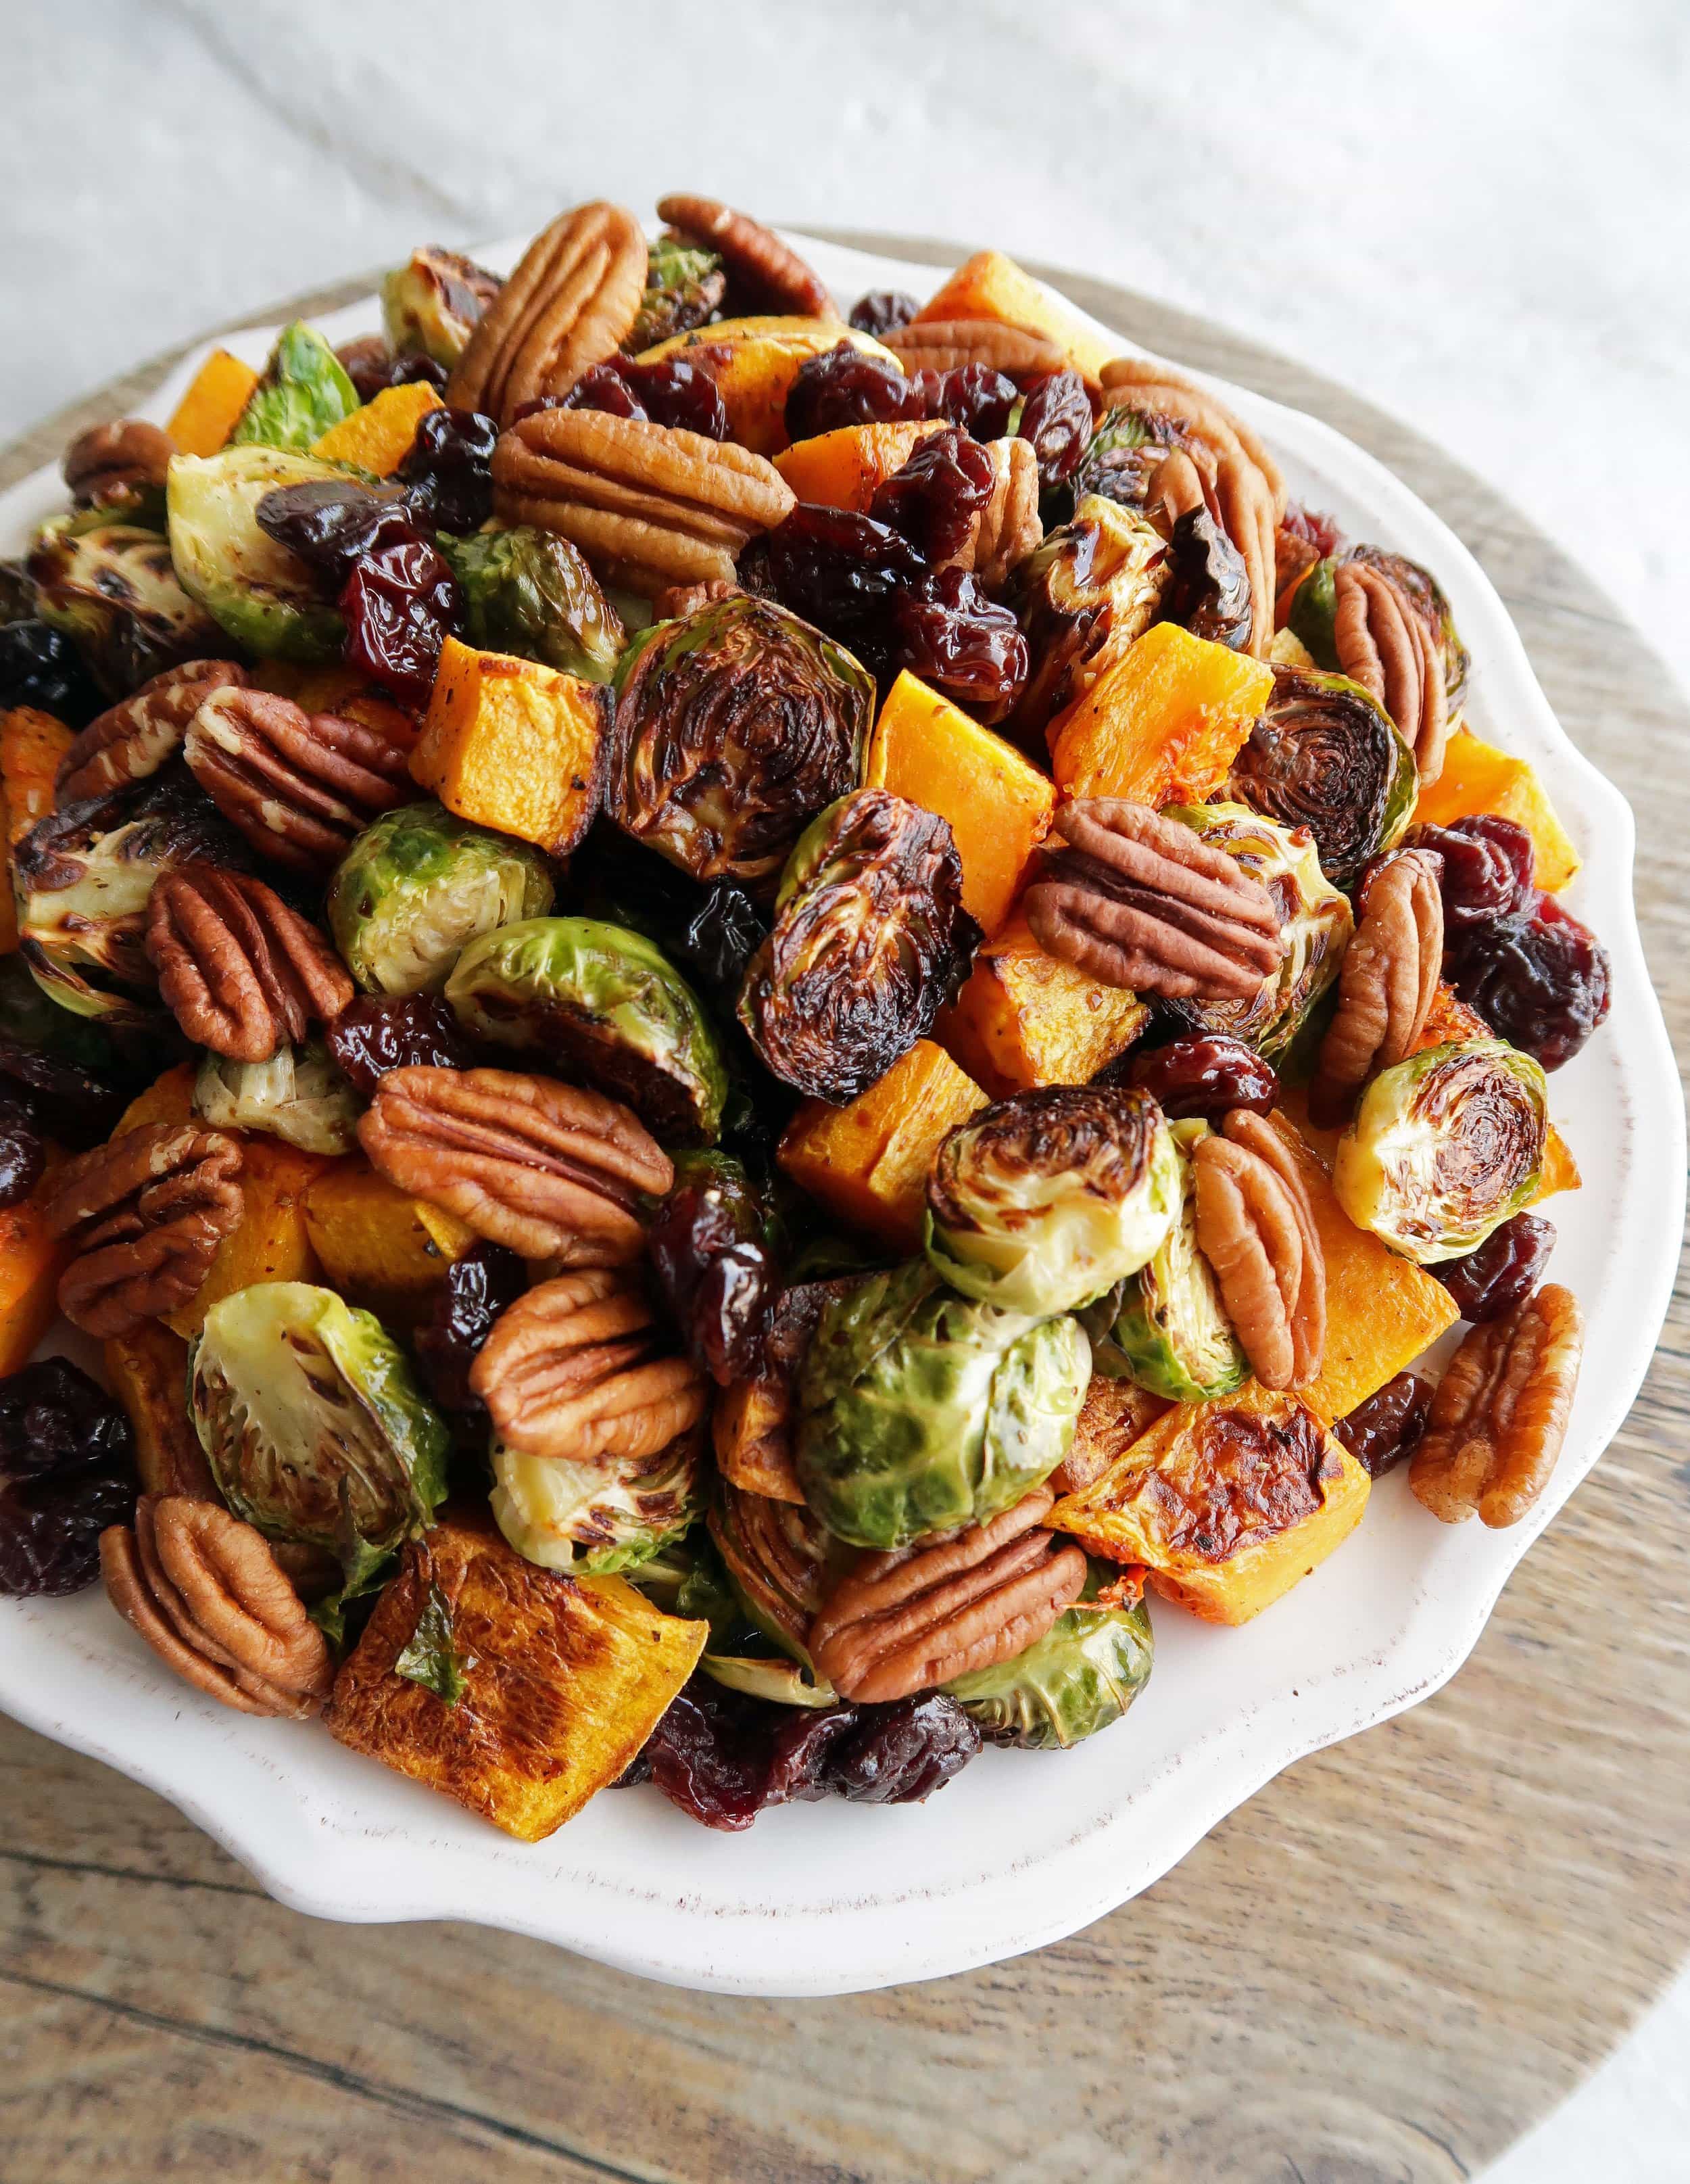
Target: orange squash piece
31, 745
1163, 725
927, 749
148, 1371
379, 1246
868, 1161
844, 469
1225, 1516
207, 413
377, 436
754, 361
1025, 1018
513, 745
167, 1098
1477, 777
30, 1265
272, 1243
990, 285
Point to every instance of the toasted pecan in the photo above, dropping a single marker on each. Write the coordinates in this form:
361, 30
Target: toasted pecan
1387, 982
1383, 643
241, 972
1256, 1228
947, 344
765, 274
143, 1217
132, 739
298, 785
128, 453
1500, 1413
1009, 527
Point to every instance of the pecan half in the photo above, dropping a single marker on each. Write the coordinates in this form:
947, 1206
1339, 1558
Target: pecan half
132, 739
1500, 1413
686, 598
904, 1621
241, 972
1256, 1228
767, 274
207, 1594
576, 1368
552, 1171
298, 785
1008, 527
946, 344
143, 1216
1387, 983
1382, 643
651, 505
127, 454
1139, 900
573, 296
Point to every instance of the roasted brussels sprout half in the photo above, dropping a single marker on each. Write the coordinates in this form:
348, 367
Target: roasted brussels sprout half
298, 1096
1444, 1148
1165, 1327
1315, 925
303, 391
1314, 610
920, 1409
1081, 598
1323, 755
777, 1558
531, 593
1123, 455
267, 599
1208, 591
418, 886
314, 1426
111, 588
684, 287
1079, 1677
871, 940
1041, 1202
588, 1518
433, 302
735, 726
601, 1001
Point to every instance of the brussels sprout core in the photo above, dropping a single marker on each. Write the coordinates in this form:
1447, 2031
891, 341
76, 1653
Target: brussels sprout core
1324, 755
1082, 598
266, 597
587, 1518
297, 1095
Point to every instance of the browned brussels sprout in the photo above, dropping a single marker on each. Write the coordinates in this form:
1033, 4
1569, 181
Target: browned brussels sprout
1081, 598
433, 302
111, 586
1324, 755
684, 287
871, 940
1124, 454
735, 726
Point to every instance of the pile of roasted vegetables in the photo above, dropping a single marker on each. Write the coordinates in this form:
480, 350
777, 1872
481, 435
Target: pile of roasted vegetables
729, 1020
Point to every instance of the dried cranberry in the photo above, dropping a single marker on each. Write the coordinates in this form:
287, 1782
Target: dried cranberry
372, 367
1542, 983
1487, 873
67, 1470
670, 391
400, 604
68, 1102
845, 385
840, 570
710, 1756
882, 310
22, 1153
899, 1754
328, 522
476, 1289
1205, 1074
377, 1033
1385, 1428
721, 936
1056, 421
1504, 1270
1208, 587
1315, 529
449, 473
935, 499
961, 643
973, 396
709, 1254
42, 668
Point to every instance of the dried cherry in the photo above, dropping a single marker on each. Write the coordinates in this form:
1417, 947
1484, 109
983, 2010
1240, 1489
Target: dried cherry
65, 1101
23, 1155
883, 310
846, 386
937, 499
712, 1263
671, 390
1314, 528
379, 1032
67, 1470
1542, 982
400, 604
1488, 1282
1205, 1074
972, 396
1380, 1433
476, 1289
1056, 421
328, 522
841, 571
372, 367
899, 1754
961, 643
41, 667
449, 473
1487, 873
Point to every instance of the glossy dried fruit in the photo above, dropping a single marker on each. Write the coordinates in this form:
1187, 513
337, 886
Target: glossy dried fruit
937, 498
964, 645
67, 1471
372, 367
1489, 1282
1386, 1429
377, 1033
1486, 875
881, 309
668, 391
846, 386
708, 1253
448, 474
1056, 421
400, 604
972, 396
1542, 982
843, 572
476, 1289
1205, 1075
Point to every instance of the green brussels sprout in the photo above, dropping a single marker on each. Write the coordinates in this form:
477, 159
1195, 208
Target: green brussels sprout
1325, 755
1081, 1675
267, 599
112, 587
735, 726
602, 1001
1043, 1202
1166, 1326
530, 593
297, 1095
920, 1409
1082, 598
1123, 455
1314, 610
588, 1518
1316, 922
433, 302
869, 941
304, 390
315, 1428
1445, 1147
1315, 607
684, 287
418, 885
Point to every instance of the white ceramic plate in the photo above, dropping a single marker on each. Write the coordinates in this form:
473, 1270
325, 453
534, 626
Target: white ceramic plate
1023, 1848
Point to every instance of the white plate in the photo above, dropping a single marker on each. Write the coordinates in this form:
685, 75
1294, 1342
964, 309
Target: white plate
1023, 1848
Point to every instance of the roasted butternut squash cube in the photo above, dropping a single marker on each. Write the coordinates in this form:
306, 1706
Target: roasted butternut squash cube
167, 1098
1115, 1414
845, 469
555, 1683
1227, 1504
272, 1243
31, 1262
1477, 777
31, 745
207, 413
869, 1161
754, 361
511, 744
377, 436
1163, 724
148, 1371
1025, 1018
377, 1244
990, 285
928, 750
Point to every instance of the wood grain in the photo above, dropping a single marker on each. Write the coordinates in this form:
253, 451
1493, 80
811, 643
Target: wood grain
1381, 1971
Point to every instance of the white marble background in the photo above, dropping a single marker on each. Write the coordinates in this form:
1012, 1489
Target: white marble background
1476, 211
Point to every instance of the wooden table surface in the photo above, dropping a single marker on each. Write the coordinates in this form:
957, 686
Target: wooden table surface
1393, 1960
